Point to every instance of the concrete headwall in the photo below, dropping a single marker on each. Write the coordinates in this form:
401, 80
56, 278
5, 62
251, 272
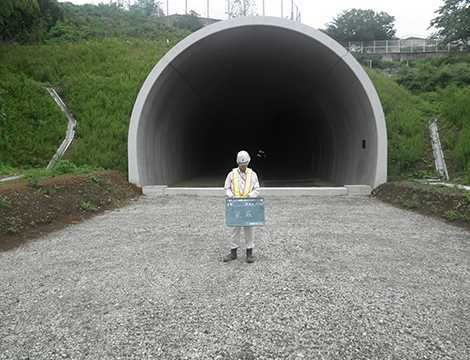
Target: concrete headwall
258, 83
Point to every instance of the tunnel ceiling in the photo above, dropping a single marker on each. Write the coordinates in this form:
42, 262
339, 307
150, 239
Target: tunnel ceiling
258, 83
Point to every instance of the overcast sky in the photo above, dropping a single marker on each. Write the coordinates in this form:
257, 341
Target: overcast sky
411, 17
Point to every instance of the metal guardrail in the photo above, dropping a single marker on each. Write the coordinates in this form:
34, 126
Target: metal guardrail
401, 46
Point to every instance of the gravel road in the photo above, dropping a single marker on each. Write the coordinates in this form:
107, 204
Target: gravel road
334, 278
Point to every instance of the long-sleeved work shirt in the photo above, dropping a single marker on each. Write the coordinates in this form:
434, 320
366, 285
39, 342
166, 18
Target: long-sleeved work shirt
254, 188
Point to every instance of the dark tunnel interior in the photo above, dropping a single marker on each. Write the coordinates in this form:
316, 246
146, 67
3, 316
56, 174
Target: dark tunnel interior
259, 103
271, 126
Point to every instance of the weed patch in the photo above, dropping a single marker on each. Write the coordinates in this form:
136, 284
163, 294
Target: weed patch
88, 206
13, 225
27, 212
444, 203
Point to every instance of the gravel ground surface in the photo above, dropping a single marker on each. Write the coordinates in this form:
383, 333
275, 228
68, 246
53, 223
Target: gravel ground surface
334, 278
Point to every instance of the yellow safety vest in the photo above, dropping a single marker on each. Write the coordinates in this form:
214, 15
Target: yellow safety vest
236, 185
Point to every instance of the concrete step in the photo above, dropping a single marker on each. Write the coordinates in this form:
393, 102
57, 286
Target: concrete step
354, 190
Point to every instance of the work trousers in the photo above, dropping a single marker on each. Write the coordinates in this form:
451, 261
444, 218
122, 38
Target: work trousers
249, 237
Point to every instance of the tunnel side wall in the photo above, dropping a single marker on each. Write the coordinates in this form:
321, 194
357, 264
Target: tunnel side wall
359, 149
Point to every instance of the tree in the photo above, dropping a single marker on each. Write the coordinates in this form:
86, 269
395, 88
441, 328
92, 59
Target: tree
149, 7
8, 6
191, 22
9, 23
239, 8
28, 20
453, 22
361, 25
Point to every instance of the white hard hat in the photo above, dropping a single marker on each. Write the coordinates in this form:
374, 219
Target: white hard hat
243, 158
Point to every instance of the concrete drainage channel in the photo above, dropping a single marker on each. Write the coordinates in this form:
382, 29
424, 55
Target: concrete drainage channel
70, 129
437, 150
68, 137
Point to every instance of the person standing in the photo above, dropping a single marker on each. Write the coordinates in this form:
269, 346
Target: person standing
242, 182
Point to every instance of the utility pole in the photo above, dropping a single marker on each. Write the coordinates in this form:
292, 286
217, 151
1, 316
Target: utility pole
263, 7
208, 9
282, 9
167, 8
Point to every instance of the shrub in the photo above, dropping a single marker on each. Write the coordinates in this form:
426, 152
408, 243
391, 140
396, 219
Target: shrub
455, 105
14, 225
3, 202
406, 117
462, 150
64, 167
32, 126
34, 180
451, 215
88, 206
6, 169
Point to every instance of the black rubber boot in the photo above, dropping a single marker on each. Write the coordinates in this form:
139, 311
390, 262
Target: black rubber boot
249, 256
231, 256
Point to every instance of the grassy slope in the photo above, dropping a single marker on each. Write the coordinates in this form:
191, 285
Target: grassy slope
32, 126
99, 81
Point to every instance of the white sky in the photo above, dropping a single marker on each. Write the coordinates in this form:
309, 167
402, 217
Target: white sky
411, 17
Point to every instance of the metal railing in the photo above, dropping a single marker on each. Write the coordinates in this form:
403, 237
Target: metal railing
401, 46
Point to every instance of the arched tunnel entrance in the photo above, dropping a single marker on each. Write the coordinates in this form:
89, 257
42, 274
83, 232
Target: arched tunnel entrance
258, 83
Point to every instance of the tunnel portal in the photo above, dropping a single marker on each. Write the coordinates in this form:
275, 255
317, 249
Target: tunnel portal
258, 83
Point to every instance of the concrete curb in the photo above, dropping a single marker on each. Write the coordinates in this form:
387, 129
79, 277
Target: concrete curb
162, 190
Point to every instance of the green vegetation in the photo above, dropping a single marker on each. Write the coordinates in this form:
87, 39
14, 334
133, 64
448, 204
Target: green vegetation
33, 176
34, 180
3, 202
47, 21
412, 203
191, 22
406, 116
14, 225
452, 21
361, 25
443, 202
6, 169
99, 81
434, 73
95, 57
88, 206
32, 126
444, 84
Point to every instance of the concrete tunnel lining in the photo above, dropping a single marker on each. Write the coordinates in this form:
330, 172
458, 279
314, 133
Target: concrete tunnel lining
258, 83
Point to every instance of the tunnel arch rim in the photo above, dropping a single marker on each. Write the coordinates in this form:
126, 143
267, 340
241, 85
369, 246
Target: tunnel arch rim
136, 174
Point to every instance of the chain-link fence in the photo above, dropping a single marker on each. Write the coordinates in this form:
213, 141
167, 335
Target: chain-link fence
225, 9
401, 46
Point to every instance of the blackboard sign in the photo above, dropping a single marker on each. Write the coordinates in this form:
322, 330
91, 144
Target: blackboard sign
245, 212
